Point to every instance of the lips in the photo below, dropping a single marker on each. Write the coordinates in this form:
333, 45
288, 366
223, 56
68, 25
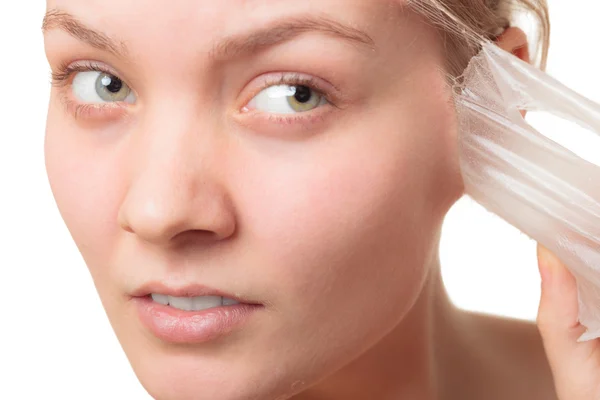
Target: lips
194, 290
195, 316
173, 325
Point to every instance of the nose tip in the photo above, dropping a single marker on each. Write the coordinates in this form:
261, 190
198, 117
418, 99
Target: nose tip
159, 217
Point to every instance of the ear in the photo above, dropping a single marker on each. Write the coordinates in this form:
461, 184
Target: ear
514, 40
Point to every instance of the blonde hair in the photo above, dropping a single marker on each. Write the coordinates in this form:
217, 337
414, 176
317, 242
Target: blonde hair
463, 23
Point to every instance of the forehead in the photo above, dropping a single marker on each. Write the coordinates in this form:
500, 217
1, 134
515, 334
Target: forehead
200, 21
182, 11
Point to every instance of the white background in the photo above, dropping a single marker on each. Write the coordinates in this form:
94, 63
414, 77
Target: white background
55, 340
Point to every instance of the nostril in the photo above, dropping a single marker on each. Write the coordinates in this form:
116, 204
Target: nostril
195, 235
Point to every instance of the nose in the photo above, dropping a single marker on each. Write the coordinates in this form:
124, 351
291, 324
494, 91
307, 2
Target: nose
176, 183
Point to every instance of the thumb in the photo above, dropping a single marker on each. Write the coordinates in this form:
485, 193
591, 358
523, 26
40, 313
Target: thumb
558, 313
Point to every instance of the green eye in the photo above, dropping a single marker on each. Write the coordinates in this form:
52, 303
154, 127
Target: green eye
100, 87
287, 99
304, 99
111, 88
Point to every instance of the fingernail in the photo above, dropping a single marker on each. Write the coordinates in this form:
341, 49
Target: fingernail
547, 263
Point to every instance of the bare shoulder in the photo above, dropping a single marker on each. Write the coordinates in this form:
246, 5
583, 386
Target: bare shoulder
513, 350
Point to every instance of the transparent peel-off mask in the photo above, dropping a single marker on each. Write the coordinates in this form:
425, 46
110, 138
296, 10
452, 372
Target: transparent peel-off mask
535, 184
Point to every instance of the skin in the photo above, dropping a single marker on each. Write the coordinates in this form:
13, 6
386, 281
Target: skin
330, 218
575, 366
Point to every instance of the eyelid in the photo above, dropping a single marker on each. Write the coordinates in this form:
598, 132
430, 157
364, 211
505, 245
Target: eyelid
62, 78
294, 125
65, 71
331, 93
92, 111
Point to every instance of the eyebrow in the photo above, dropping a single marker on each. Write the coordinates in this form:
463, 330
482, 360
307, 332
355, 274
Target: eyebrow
228, 47
57, 19
284, 31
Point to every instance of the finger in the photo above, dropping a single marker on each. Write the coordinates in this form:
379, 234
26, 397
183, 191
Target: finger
558, 313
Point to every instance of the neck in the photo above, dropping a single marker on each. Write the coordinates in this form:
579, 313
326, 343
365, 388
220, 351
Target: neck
407, 363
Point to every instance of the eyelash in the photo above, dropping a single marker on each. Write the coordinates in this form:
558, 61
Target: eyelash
61, 78
295, 79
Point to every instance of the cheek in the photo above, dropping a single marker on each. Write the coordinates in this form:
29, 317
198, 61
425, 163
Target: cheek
83, 182
346, 221
346, 226
343, 233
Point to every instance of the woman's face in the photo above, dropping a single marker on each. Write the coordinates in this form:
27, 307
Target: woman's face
296, 156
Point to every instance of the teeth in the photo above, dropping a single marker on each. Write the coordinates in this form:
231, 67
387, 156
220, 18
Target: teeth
229, 302
160, 298
192, 303
183, 303
204, 302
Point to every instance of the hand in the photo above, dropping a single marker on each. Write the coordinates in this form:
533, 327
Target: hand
575, 366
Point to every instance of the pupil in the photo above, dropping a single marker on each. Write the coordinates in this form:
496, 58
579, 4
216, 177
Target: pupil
303, 94
112, 84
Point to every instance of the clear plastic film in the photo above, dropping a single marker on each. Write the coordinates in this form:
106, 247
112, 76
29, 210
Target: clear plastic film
516, 172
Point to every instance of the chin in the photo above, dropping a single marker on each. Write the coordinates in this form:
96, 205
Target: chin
180, 378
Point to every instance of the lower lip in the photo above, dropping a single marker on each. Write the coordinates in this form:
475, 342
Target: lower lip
178, 326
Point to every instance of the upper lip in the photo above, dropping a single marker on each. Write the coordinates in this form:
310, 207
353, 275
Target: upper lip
193, 290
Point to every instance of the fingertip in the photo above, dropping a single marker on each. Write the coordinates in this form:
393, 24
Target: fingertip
551, 267
558, 307
547, 258
546, 264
